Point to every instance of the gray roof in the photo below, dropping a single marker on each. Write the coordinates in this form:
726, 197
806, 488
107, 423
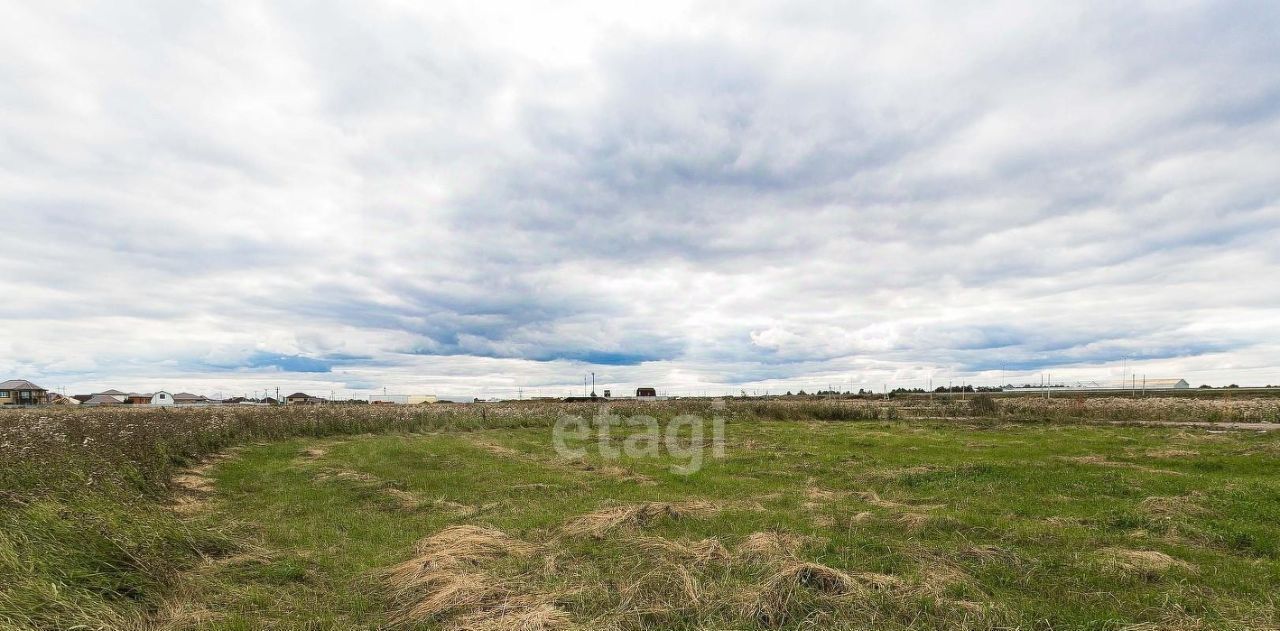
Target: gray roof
102, 399
19, 384
187, 395
114, 393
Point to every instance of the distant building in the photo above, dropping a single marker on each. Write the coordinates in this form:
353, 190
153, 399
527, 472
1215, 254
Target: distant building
186, 398
162, 398
22, 392
1100, 386
402, 399
58, 399
302, 398
1161, 384
99, 400
646, 392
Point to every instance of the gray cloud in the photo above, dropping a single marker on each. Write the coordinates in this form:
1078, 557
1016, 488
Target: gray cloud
472, 199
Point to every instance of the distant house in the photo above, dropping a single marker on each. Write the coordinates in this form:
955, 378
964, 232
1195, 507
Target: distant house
646, 392
138, 398
186, 398
22, 392
162, 398
302, 398
99, 400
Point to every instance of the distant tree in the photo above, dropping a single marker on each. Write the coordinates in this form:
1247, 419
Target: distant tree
1233, 386
789, 393
1205, 386
801, 394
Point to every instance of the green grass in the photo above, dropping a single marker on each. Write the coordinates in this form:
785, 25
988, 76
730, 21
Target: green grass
1023, 515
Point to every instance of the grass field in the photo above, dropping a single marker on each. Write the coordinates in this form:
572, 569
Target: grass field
804, 524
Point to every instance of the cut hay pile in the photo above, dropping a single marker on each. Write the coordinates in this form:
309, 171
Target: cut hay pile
634, 516
448, 581
1172, 506
1172, 453
696, 553
771, 547
782, 597
1148, 564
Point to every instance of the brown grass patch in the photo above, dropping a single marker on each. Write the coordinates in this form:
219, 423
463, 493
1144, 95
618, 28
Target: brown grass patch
347, 475
1149, 564
771, 546
701, 552
824, 495
612, 471
1170, 506
315, 453
496, 449
664, 588
194, 486
874, 499
635, 516
448, 580
914, 521
773, 605
1172, 453
991, 554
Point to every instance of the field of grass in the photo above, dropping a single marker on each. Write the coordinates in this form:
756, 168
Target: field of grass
375, 518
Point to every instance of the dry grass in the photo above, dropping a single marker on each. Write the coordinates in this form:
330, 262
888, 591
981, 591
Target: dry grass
1148, 564
1172, 506
448, 581
772, 547
1172, 453
778, 599
697, 553
991, 554
914, 521
634, 516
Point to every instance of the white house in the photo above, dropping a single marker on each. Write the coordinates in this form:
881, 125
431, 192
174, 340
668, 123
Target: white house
162, 398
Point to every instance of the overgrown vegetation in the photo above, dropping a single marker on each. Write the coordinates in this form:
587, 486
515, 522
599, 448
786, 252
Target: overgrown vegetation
863, 522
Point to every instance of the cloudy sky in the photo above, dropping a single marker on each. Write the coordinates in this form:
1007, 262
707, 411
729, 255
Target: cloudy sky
476, 199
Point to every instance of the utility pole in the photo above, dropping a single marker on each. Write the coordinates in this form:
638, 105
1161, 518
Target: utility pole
593, 384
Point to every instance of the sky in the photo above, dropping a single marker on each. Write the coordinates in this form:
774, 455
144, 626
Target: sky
496, 200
